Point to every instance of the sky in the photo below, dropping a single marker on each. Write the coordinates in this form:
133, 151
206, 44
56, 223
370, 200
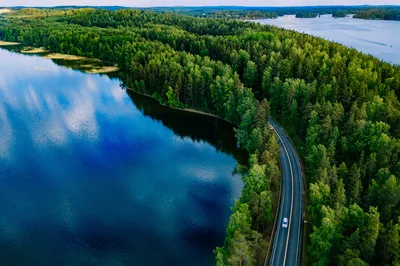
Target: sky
148, 3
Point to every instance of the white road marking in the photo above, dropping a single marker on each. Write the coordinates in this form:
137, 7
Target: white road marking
291, 203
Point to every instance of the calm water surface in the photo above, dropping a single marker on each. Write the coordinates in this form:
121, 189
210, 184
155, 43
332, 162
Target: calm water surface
93, 175
377, 37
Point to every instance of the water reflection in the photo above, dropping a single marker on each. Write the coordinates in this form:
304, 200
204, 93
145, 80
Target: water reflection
90, 174
218, 133
197, 127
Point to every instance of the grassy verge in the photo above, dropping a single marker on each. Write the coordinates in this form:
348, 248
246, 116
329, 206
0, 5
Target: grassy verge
31, 50
276, 202
64, 56
92, 69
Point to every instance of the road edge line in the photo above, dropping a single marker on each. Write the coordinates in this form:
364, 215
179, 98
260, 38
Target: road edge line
303, 184
291, 203
273, 234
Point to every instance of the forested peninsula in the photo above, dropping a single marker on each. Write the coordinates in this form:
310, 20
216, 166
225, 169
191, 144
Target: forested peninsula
340, 107
380, 14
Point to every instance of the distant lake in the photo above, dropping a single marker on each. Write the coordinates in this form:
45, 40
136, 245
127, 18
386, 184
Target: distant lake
377, 37
92, 174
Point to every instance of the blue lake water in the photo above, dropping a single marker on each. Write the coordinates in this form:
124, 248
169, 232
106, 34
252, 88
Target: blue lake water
93, 175
377, 37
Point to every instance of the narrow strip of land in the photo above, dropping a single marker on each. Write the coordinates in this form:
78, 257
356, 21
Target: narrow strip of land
3, 43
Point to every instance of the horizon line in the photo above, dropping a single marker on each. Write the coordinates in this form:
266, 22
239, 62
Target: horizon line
194, 6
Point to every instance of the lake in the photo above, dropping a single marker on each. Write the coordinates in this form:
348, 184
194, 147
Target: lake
93, 174
377, 37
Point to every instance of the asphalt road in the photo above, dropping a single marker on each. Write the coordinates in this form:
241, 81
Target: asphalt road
286, 250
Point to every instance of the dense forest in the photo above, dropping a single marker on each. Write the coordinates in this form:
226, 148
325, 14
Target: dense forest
248, 13
376, 13
340, 107
364, 12
179, 79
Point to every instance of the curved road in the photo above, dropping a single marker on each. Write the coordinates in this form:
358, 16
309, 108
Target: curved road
286, 249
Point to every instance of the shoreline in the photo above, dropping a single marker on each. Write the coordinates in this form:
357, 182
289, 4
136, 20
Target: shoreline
4, 43
189, 110
32, 50
67, 57
88, 68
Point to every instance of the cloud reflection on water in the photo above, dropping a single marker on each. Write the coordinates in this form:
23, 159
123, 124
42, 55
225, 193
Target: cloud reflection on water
86, 177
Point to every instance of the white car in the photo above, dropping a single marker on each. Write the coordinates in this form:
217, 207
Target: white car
285, 223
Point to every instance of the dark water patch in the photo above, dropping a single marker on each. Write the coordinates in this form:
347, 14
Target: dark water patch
221, 134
